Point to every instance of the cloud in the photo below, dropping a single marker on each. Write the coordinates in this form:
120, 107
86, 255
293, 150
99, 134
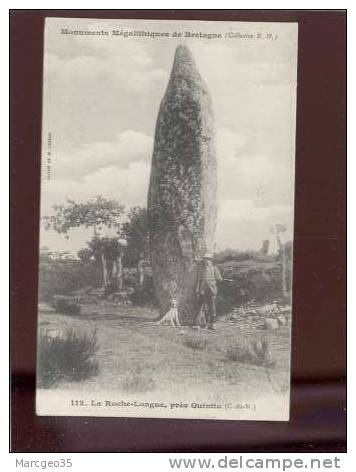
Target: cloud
244, 174
245, 209
242, 224
91, 93
129, 186
250, 186
125, 65
103, 103
241, 68
78, 162
229, 142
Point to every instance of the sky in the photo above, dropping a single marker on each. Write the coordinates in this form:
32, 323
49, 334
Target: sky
101, 99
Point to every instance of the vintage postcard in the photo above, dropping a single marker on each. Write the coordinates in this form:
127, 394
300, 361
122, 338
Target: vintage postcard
166, 240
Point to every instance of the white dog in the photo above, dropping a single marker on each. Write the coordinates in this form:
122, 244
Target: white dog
171, 317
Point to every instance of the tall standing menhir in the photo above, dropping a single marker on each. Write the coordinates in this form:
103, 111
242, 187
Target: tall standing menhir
182, 200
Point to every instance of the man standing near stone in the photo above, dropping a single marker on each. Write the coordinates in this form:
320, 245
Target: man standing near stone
207, 289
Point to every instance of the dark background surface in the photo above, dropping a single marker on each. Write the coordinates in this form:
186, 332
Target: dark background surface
318, 398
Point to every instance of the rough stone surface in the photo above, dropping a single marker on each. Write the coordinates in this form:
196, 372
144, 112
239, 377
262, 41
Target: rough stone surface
182, 203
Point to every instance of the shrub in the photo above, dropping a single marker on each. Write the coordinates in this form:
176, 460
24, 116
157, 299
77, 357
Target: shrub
195, 342
67, 358
251, 352
130, 277
62, 277
66, 305
246, 280
144, 296
137, 382
238, 255
232, 255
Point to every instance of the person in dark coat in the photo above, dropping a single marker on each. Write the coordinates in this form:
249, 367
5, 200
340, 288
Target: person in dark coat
207, 289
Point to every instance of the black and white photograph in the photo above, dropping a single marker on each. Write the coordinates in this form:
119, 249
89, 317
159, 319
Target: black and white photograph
167, 219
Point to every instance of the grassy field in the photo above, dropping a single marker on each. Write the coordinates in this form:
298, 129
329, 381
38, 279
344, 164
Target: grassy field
137, 355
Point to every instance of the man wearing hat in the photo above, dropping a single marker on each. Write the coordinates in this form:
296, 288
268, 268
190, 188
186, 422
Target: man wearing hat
207, 289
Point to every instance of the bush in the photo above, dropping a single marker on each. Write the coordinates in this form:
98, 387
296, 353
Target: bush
237, 255
130, 277
137, 382
232, 255
195, 342
67, 358
144, 296
251, 352
62, 277
66, 305
247, 280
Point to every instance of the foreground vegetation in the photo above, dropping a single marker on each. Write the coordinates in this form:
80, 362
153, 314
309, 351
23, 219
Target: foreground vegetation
66, 356
134, 355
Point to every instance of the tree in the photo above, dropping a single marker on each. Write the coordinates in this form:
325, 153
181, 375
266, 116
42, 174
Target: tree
135, 230
85, 255
277, 229
96, 214
108, 252
92, 214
